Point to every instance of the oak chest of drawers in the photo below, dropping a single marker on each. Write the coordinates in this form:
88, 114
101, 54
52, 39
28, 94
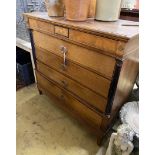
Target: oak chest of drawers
88, 68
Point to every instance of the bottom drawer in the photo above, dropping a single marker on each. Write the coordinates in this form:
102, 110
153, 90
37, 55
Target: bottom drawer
70, 102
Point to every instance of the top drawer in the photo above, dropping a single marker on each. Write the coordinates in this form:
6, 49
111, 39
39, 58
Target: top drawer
92, 60
98, 42
42, 26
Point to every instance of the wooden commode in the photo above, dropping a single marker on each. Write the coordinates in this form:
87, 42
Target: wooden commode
87, 68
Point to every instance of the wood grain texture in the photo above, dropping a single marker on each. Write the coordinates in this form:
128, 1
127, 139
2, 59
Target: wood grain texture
84, 93
94, 41
77, 109
95, 61
128, 75
82, 111
61, 31
101, 65
131, 47
42, 26
113, 30
87, 78
96, 131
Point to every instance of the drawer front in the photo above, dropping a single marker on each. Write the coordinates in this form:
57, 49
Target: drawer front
87, 78
61, 31
70, 102
41, 26
84, 93
92, 60
98, 42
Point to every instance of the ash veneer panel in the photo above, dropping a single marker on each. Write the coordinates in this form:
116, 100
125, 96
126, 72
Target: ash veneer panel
87, 78
70, 101
95, 41
101, 66
41, 26
93, 99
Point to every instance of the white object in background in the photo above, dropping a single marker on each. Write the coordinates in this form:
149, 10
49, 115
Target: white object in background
101, 151
129, 114
108, 10
128, 4
121, 142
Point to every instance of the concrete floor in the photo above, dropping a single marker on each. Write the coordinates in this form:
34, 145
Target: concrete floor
45, 129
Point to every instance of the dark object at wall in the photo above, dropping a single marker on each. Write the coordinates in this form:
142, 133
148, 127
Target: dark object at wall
134, 96
132, 15
19, 84
24, 70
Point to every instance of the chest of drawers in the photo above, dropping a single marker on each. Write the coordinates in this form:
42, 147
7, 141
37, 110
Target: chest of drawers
87, 68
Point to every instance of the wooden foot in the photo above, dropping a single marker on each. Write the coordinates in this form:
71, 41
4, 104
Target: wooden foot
99, 141
40, 92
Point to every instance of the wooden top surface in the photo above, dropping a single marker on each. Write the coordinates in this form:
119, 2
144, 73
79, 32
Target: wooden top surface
113, 29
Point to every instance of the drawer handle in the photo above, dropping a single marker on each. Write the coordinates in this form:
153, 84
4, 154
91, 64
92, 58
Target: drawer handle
64, 68
64, 51
64, 83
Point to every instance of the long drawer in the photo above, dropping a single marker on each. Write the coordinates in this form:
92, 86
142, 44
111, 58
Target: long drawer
68, 100
92, 60
87, 78
82, 92
101, 43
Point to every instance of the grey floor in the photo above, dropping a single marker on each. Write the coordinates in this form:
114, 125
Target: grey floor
45, 129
